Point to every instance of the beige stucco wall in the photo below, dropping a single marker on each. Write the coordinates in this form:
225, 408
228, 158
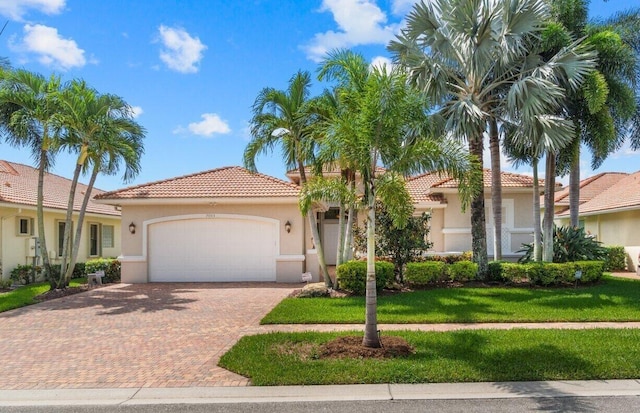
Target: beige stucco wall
289, 265
618, 228
13, 246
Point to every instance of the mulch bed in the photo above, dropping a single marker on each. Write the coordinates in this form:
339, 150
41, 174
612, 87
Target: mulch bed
53, 294
351, 347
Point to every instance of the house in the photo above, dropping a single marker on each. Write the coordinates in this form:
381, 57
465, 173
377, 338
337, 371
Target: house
229, 224
18, 219
609, 210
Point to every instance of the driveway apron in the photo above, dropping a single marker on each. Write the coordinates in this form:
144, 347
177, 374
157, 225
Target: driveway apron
141, 335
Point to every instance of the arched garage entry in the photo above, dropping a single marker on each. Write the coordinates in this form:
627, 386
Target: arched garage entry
212, 248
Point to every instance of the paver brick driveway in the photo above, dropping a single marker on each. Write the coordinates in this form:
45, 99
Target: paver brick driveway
144, 335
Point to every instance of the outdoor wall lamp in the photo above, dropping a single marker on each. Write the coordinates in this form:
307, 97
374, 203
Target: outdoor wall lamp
132, 228
287, 227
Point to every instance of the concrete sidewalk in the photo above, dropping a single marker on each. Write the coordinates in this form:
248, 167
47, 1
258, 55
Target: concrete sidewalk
192, 395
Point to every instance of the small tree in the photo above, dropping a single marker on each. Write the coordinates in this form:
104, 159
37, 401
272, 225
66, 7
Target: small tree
400, 245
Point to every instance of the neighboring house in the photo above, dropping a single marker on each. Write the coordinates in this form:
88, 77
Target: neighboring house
609, 210
18, 222
229, 224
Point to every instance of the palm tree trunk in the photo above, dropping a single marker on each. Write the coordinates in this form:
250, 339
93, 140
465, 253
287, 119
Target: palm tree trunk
496, 189
76, 241
342, 228
574, 185
547, 223
313, 222
347, 252
66, 242
44, 254
537, 231
371, 338
478, 221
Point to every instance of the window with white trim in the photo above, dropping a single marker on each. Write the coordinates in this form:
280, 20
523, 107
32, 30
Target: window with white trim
94, 240
25, 226
108, 240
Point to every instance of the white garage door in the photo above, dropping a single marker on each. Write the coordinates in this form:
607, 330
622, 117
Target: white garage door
219, 249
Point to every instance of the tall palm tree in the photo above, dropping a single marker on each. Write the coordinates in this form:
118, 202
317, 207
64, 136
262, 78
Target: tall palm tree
283, 118
388, 125
474, 59
603, 108
33, 124
96, 126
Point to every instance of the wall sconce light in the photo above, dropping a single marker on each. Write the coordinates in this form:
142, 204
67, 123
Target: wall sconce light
287, 227
132, 228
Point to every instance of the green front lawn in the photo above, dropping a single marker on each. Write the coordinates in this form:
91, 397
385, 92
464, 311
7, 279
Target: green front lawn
462, 356
25, 295
614, 299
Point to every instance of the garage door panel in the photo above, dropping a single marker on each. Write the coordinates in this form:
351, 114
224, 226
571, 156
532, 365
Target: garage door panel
212, 250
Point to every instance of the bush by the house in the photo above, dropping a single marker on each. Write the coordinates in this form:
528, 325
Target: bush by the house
352, 276
546, 273
449, 258
78, 270
397, 245
110, 266
462, 271
616, 258
423, 273
494, 272
25, 274
570, 244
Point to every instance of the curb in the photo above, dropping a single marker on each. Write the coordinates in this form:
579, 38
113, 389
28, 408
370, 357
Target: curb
432, 391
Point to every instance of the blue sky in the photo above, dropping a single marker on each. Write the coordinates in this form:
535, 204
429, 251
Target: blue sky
192, 69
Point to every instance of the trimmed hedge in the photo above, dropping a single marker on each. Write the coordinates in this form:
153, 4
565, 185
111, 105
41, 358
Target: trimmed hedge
352, 276
110, 266
423, 273
616, 258
548, 273
462, 271
448, 259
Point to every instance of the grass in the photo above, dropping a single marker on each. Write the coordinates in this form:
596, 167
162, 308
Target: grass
461, 356
25, 295
614, 299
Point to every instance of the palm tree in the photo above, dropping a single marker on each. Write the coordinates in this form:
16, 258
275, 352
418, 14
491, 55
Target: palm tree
100, 128
606, 103
474, 59
387, 124
33, 124
284, 118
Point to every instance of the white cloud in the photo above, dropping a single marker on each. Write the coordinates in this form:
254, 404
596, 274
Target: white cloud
401, 7
359, 21
51, 48
16, 9
180, 52
211, 123
136, 111
381, 62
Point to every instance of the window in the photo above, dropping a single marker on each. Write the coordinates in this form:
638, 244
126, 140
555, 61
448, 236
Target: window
94, 236
25, 226
61, 226
108, 236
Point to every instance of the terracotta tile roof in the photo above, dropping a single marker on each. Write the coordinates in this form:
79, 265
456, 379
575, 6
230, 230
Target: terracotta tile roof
625, 193
19, 185
424, 188
226, 182
327, 170
590, 187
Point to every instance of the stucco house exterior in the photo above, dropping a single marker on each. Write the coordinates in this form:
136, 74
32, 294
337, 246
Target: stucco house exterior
18, 219
609, 210
229, 224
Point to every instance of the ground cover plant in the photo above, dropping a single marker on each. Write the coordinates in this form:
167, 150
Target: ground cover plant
461, 356
613, 299
28, 294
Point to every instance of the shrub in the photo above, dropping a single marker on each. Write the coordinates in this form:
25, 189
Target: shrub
462, 271
494, 272
110, 266
25, 274
570, 244
592, 271
450, 258
512, 272
616, 258
5, 283
422, 273
546, 273
352, 276
78, 270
